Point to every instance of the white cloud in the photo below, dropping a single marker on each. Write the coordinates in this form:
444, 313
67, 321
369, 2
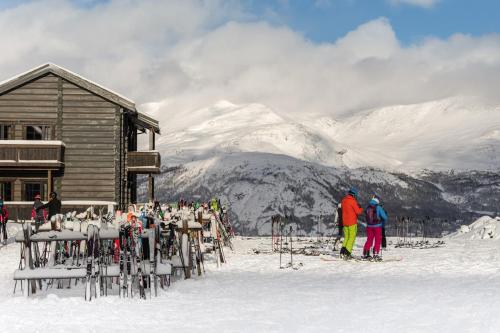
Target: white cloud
185, 55
419, 3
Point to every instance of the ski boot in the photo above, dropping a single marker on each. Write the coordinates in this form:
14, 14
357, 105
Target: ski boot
376, 258
366, 255
342, 252
347, 255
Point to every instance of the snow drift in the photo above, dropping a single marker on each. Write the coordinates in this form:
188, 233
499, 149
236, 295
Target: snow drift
485, 227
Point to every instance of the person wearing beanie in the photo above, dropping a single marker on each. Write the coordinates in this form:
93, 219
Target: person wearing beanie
350, 212
375, 217
39, 216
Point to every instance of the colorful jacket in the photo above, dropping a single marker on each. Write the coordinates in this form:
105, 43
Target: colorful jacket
381, 215
350, 211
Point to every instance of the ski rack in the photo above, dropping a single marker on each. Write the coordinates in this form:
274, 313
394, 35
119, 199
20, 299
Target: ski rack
88, 251
415, 233
65, 259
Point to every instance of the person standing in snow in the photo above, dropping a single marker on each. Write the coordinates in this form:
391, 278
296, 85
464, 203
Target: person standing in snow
375, 217
338, 222
38, 216
350, 213
54, 206
4, 217
384, 240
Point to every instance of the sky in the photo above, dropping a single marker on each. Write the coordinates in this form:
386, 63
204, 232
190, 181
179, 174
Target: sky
301, 58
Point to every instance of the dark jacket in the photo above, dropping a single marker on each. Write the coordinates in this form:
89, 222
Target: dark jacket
54, 207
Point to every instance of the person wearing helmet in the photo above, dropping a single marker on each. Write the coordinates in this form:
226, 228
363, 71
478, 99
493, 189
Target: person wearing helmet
4, 217
375, 217
38, 216
350, 212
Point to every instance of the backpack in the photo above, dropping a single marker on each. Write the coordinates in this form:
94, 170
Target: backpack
371, 215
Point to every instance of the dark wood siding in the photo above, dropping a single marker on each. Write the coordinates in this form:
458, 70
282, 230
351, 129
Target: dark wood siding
88, 130
33, 103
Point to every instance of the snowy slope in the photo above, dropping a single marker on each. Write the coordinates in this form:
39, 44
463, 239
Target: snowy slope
263, 163
485, 227
455, 133
226, 128
437, 290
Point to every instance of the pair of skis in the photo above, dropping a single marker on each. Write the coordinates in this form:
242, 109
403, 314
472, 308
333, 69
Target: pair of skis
93, 264
138, 255
358, 259
130, 239
125, 260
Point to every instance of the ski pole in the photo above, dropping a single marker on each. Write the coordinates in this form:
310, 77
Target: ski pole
291, 247
281, 241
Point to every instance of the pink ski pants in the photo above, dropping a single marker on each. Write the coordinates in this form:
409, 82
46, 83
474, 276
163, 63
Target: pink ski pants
373, 234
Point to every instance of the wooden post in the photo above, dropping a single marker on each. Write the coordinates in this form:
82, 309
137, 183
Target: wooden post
151, 139
151, 188
49, 182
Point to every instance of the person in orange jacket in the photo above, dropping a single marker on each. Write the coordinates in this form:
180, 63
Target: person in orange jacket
350, 212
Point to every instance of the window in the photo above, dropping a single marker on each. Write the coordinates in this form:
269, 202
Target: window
6, 191
5, 132
32, 189
38, 132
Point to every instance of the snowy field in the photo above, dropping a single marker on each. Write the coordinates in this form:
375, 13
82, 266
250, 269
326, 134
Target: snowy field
454, 288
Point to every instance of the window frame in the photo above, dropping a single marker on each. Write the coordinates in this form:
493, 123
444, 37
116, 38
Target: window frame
11, 194
50, 131
10, 132
43, 185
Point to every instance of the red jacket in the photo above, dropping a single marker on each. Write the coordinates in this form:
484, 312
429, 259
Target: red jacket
4, 214
350, 211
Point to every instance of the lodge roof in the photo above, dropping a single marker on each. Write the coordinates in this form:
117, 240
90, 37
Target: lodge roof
142, 120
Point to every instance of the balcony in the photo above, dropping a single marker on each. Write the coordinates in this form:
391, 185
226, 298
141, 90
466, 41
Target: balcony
31, 155
144, 162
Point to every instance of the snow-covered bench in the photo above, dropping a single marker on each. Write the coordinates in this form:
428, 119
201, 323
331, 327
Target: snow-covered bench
63, 272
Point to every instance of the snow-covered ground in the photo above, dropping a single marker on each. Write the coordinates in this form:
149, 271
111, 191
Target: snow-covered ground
449, 289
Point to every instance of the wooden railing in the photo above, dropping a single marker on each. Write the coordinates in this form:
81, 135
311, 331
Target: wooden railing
23, 154
143, 162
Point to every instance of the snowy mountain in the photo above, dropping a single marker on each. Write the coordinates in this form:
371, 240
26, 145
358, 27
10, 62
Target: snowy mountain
455, 133
262, 163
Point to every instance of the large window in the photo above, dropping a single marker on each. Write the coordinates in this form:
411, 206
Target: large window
5, 132
6, 190
33, 188
41, 132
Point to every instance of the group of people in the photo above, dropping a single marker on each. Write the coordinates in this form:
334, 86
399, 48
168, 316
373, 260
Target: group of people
39, 213
375, 217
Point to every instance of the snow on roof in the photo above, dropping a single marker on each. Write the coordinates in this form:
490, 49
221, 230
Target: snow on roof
106, 93
56, 69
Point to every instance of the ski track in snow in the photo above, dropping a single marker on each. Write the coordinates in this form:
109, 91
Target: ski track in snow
448, 289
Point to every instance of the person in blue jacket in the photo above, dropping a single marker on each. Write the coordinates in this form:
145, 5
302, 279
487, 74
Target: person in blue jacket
375, 218
384, 240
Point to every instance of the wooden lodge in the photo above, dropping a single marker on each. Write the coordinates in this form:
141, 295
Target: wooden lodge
61, 132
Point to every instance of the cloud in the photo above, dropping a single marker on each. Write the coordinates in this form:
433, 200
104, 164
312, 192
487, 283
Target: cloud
173, 57
419, 3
